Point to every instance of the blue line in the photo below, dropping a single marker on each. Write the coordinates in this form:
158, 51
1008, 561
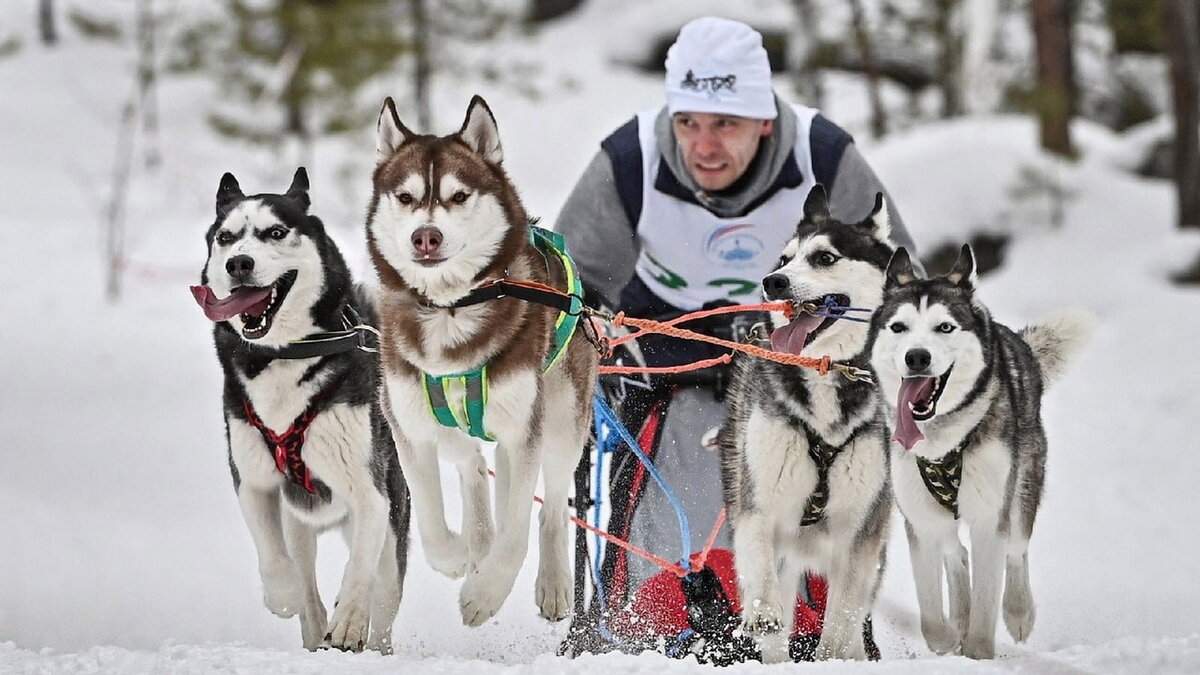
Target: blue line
674, 649
605, 443
840, 317
610, 418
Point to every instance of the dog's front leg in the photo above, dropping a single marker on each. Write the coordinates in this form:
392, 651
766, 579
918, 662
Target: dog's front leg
283, 590
758, 581
365, 531
925, 548
851, 581
477, 529
301, 539
958, 584
445, 551
987, 572
486, 588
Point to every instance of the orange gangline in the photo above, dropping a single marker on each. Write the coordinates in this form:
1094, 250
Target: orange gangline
698, 563
678, 570
649, 326
661, 562
785, 307
665, 370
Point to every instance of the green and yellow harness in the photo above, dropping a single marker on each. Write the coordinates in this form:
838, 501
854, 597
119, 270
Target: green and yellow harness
458, 400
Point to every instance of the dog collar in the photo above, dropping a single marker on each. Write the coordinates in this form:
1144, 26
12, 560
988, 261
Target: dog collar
353, 336
943, 476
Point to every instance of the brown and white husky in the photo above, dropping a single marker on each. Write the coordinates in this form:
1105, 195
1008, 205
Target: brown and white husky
443, 221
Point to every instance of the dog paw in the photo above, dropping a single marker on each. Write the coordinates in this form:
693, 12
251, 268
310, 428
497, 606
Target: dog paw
979, 648
348, 631
314, 625
481, 597
552, 593
448, 558
283, 591
380, 643
773, 647
940, 636
763, 619
1018, 618
829, 648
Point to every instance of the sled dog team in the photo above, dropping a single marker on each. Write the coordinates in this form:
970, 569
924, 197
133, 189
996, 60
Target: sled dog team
340, 405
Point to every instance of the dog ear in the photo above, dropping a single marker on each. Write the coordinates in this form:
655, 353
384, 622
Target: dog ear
816, 206
879, 222
899, 269
479, 131
298, 192
963, 272
228, 192
390, 132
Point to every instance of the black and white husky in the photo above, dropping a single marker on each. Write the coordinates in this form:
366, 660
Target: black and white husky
964, 395
445, 223
804, 458
308, 445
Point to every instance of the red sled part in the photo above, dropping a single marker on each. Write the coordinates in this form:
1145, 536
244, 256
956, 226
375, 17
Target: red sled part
660, 609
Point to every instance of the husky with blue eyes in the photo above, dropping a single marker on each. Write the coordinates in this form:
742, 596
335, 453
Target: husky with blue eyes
964, 394
309, 447
803, 455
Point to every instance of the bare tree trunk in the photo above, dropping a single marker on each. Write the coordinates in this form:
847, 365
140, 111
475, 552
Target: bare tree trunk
421, 69
147, 78
1181, 21
949, 57
878, 116
801, 45
1056, 93
980, 89
46, 24
114, 240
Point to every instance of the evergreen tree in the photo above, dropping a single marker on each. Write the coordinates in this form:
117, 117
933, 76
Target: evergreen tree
293, 69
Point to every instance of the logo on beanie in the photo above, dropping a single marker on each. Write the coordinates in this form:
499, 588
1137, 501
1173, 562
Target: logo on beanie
709, 85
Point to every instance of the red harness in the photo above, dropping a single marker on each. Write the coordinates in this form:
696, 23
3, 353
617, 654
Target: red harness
287, 445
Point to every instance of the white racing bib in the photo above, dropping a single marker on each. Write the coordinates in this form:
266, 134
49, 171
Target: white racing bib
690, 256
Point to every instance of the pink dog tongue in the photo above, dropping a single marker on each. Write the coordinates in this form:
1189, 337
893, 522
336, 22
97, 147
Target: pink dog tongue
239, 301
790, 338
912, 389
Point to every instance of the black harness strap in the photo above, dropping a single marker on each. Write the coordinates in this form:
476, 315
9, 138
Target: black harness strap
502, 288
823, 455
332, 342
943, 476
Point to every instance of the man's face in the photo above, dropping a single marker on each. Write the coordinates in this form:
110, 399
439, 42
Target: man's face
717, 149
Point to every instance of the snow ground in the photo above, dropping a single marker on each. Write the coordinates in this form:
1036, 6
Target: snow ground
123, 550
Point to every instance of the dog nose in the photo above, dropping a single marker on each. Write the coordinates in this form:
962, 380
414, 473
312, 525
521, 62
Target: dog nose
427, 240
917, 360
775, 285
240, 267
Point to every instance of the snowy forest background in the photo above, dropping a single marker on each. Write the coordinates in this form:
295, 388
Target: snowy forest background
1057, 136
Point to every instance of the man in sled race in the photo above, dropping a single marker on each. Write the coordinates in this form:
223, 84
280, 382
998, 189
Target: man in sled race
688, 207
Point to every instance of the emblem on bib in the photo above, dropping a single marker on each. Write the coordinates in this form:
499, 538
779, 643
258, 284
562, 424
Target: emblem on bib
734, 246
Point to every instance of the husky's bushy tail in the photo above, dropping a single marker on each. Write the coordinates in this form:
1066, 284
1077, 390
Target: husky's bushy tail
1057, 338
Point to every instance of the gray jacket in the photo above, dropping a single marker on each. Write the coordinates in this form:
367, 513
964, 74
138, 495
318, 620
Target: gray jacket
600, 229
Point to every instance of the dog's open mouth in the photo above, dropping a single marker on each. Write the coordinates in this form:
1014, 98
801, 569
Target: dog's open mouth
917, 402
806, 325
256, 305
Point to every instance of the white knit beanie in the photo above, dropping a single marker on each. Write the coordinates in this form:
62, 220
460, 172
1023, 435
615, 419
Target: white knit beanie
719, 66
